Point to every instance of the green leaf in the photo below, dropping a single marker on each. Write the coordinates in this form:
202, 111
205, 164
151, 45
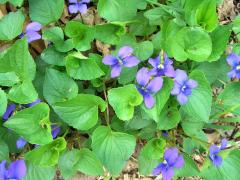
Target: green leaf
18, 59
23, 93
51, 56
11, 25
229, 99
220, 37
56, 36
115, 10
80, 112
207, 15
58, 87
141, 26
161, 99
109, 33
123, 100
215, 72
32, 124
47, 155
4, 151
127, 75
10, 139
144, 50
189, 169
45, 11
81, 35
200, 101
8, 79
39, 173
150, 155
229, 168
112, 148
169, 118
191, 43
3, 102
82, 68
82, 160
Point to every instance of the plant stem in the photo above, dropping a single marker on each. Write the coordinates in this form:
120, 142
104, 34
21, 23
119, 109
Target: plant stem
106, 113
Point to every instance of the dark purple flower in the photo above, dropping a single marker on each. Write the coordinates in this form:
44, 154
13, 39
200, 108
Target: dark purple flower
171, 160
55, 130
33, 103
124, 58
162, 68
78, 6
9, 111
214, 150
183, 86
32, 31
21, 143
165, 134
148, 86
16, 170
234, 61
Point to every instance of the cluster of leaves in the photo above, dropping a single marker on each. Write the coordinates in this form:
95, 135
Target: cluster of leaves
105, 116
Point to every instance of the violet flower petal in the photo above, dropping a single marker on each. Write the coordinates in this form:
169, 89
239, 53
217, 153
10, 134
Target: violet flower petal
55, 130
182, 98
217, 160
171, 155
176, 89
179, 162
143, 77
181, 76
73, 1
155, 85
73, 8
149, 100
169, 71
110, 60
33, 103
125, 51
154, 61
161, 167
223, 144
191, 83
17, 170
3, 170
21, 143
33, 36
33, 26
82, 8
9, 111
168, 174
130, 61
233, 59
116, 70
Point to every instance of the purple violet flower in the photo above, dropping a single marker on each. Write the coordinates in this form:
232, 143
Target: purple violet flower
33, 103
171, 160
214, 150
78, 6
21, 143
183, 86
234, 61
162, 68
124, 58
9, 111
32, 32
55, 130
148, 86
16, 170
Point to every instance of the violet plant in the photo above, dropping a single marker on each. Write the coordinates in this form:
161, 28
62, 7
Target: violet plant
111, 82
